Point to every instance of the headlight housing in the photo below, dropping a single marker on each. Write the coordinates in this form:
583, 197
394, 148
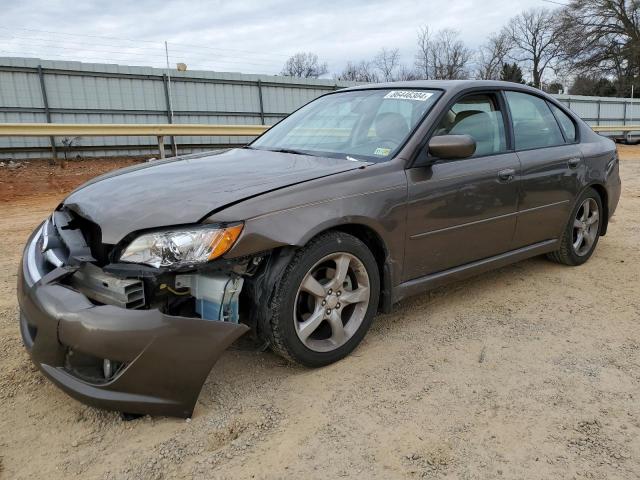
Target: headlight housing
179, 248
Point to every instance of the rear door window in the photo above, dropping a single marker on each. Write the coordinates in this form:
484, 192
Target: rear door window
534, 125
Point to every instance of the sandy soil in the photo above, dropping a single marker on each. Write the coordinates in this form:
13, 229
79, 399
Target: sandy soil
528, 372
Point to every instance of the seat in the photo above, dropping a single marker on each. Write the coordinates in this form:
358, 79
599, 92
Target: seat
391, 126
482, 126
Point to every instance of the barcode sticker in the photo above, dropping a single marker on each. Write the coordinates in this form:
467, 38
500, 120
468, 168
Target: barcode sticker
409, 95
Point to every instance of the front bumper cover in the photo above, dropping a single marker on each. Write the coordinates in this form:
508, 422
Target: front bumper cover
167, 358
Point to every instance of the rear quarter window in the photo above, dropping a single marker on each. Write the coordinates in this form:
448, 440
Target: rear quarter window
566, 123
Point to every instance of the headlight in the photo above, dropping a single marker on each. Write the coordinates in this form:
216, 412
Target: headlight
177, 248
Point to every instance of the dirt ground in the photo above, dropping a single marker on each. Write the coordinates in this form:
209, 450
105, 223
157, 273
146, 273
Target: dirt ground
528, 372
31, 179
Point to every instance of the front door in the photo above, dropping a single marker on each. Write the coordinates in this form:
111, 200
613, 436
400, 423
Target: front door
463, 210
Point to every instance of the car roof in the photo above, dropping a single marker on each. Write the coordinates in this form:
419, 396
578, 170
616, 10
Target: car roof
448, 85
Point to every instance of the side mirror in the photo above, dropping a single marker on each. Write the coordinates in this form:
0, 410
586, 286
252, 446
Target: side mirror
450, 147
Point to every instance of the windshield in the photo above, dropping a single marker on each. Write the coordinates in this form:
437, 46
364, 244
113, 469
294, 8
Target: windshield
358, 124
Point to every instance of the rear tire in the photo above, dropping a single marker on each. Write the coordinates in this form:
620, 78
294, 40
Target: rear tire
325, 301
582, 232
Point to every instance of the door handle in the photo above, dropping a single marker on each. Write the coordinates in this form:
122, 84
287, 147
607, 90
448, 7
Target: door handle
507, 174
574, 162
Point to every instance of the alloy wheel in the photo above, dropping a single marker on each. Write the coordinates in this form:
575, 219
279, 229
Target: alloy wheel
586, 226
332, 302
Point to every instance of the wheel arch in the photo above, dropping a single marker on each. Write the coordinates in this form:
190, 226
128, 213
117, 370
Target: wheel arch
601, 190
378, 248
279, 257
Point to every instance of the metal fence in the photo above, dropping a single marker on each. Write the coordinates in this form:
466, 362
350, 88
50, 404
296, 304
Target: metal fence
33, 90
603, 111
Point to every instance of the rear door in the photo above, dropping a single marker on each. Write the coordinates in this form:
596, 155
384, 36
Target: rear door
464, 210
551, 162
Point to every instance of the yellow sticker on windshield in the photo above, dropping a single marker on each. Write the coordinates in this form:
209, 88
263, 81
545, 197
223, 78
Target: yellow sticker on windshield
383, 152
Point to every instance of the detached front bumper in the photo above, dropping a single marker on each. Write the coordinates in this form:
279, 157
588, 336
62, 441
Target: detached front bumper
166, 358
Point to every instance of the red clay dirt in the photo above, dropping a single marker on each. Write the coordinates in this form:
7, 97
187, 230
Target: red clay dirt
38, 178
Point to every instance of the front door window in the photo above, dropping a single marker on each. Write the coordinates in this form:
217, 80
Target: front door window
480, 117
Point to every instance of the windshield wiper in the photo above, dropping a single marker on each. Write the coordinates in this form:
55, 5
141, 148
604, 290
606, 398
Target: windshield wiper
279, 150
287, 150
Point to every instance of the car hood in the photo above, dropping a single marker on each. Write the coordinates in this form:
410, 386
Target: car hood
187, 189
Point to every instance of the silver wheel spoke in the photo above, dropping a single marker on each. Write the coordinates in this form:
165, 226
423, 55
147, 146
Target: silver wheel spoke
585, 210
338, 335
586, 227
310, 325
361, 294
342, 267
313, 286
336, 280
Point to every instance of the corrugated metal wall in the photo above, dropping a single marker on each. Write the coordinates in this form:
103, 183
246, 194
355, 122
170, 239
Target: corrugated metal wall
101, 93
602, 111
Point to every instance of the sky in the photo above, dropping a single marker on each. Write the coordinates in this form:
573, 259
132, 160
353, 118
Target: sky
238, 36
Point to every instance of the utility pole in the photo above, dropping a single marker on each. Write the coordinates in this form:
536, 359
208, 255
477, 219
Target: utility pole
631, 122
174, 146
631, 114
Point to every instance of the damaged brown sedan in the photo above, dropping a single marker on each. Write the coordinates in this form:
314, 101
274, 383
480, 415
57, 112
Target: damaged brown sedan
139, 280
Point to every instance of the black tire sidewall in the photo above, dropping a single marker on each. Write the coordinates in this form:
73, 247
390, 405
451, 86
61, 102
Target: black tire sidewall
337, 242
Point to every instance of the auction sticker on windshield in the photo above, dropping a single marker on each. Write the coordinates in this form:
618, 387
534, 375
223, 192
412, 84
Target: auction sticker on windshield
409, 95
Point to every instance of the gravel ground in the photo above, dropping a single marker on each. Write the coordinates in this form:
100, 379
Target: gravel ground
529, 372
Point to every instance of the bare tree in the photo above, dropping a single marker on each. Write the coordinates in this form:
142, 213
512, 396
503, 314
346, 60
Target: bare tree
449, 56
387, 61
536, 35
406, 73
423, 55
442, 55
603, 37
304, 65
492, 56
359, 72
349, 73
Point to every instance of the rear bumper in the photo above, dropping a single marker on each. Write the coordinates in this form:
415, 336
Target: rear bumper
167, 358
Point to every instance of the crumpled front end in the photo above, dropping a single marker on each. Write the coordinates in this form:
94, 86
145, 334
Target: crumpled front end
134, 357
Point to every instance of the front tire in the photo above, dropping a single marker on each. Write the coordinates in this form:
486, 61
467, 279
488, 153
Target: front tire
325, 301
582, 232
